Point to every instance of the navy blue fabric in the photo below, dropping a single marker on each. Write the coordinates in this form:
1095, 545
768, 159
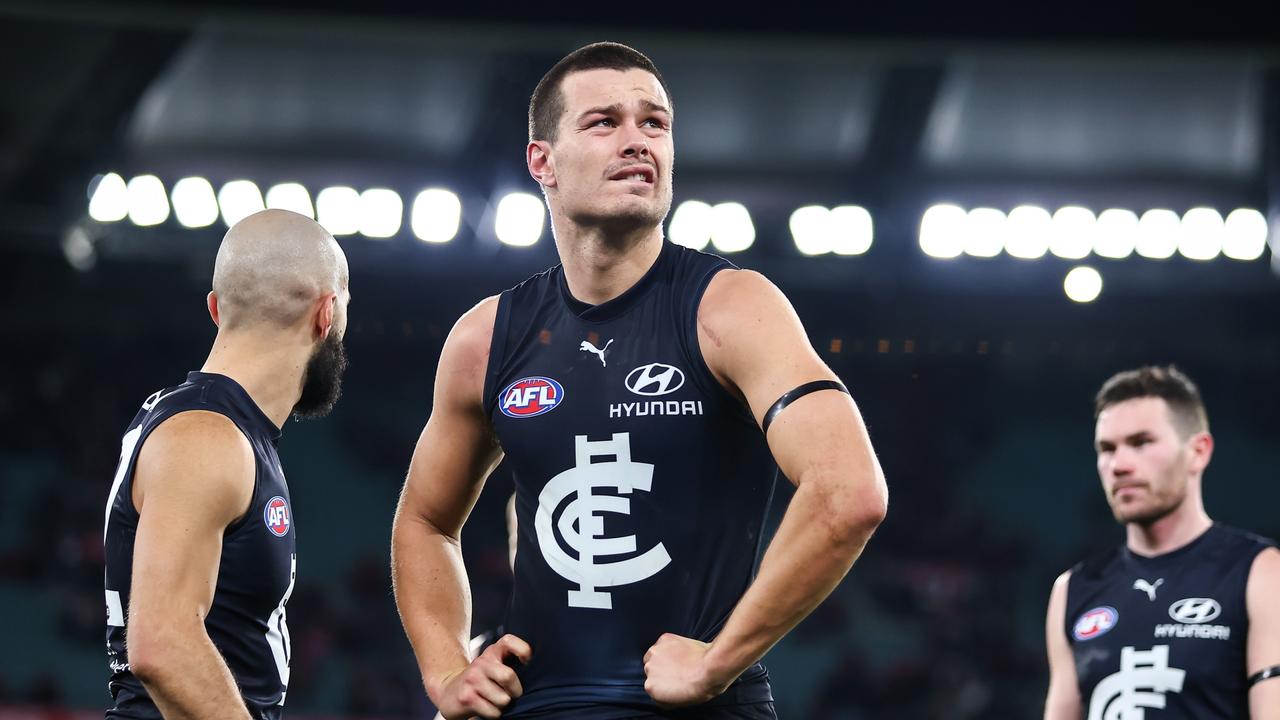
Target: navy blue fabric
246, 621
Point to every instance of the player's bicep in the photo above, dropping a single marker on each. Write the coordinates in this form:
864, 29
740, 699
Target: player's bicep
194, 476
457, 449
1063, 699
755, 343
1263, 649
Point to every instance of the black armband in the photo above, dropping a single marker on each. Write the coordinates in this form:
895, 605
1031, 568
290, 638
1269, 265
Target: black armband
1273, 671
792, 395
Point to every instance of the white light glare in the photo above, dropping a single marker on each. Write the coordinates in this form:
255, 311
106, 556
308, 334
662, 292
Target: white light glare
436, 215
110, 199
984, 234
292, 197
691, 224
338, 210
194, 203
239, 199
1246, 235
381, 212
1117, 234
147, 202
732, 230
852, 230
942, 231
519, 219
1202, 233
1029, 228
1071, 237
1158, 232
1083, 284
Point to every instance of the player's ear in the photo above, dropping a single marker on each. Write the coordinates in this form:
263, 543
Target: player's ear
322, 317
1201, 450
212, 302
541, 166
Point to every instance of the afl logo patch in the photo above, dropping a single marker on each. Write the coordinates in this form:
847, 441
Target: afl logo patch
530, 397
1097, 621
276, 515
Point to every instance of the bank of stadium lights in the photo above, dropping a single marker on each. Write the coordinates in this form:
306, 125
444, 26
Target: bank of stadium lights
381, 212
109, 201
436, 215
146, 200
194, 203
1073, 233
725, 226
1027, 234
1245, 234
843, 230
338, 210
519, 219
1082, 284
291, 196
238, 200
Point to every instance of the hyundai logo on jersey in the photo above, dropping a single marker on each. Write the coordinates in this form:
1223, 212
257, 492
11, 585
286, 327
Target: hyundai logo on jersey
530, 397
1095, 622
276, 515
655, 379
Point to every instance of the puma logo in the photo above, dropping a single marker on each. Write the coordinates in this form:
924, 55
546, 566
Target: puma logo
1148, 588
586, 346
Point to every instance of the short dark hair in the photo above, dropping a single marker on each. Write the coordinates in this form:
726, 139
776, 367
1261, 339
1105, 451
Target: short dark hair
547, 103
1167, 383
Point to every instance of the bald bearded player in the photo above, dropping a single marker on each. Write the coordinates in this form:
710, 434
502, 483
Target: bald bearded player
199, 529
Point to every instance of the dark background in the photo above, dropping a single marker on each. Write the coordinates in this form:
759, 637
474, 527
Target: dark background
975, 375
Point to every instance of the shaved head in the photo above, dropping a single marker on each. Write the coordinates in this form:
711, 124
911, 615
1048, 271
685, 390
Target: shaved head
272, 267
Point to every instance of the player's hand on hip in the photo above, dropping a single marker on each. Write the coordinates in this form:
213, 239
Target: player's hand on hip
486, 686
676, 673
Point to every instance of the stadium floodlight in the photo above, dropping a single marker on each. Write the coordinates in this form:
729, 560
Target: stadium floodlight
1202, 234
810, 229
194, 203
852, 231
519, 219
1072, 233
1246, 234
77, 248
943, 230
291, 196
1158, 232
110, 199
985, 232
1083, 284
436, 215
381, 213
1117, 233
691, 224
148, 204
732, 230
1029, 229
238, 200
338, 210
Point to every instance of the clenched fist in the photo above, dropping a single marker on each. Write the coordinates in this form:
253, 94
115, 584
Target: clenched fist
486, 686
676, 673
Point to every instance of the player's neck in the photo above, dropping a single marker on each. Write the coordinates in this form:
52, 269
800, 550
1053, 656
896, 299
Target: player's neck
270, 369
1175, 530
599, 268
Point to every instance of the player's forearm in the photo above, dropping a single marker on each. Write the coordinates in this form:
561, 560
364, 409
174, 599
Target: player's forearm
183, 672
812, 551
1264, 700
433, 597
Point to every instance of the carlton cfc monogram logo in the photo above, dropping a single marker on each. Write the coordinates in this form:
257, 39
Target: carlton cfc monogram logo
276, 515
530, 397
581, 525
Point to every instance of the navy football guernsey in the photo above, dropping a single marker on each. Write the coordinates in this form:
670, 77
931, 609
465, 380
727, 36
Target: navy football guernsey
1164, 635
641, 485
255, 577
